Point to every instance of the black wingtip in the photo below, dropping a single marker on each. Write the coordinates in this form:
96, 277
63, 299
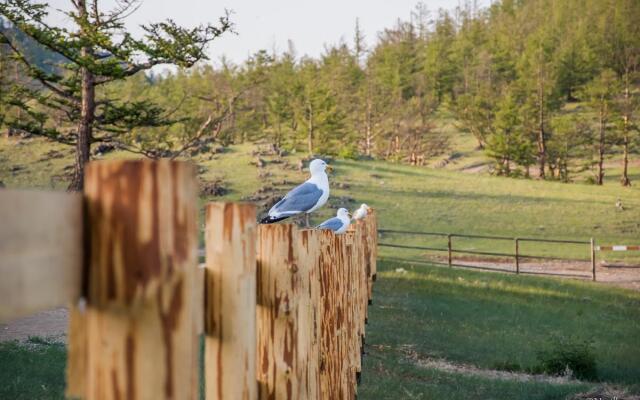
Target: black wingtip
270, 220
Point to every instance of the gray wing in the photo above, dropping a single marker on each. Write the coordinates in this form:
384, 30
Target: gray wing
299, 199
334, 224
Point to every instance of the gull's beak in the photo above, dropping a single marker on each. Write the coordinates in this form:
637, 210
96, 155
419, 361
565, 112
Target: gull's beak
329, 168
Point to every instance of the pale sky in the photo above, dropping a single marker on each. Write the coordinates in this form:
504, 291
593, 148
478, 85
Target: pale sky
268, 24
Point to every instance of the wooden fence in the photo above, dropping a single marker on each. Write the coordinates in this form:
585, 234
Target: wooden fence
282, 310
517, 255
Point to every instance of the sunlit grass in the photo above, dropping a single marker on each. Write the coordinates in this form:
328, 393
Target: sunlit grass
487, 319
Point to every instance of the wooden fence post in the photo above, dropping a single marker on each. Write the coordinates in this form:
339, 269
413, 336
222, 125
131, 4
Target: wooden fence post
230, 302
139, 332
41, 252
329, 281
309, 312
517, 241
449, 249
593, 258
278, 295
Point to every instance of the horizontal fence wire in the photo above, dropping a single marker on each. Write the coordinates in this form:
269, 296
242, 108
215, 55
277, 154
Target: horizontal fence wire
463, 235
554, 258
412, 232
515, 255
402, 246
483, 253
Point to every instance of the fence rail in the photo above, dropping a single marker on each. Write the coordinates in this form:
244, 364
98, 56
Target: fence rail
282, 310
517, 256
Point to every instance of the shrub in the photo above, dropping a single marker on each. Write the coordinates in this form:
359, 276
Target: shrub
568, 356
508, 366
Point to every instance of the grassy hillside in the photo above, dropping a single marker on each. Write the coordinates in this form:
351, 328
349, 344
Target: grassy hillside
410, 198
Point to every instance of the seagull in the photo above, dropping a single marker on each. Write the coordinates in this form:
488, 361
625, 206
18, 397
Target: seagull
337, 224
305, 198
361, 212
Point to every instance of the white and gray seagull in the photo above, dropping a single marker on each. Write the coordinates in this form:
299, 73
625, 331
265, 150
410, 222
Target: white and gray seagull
361, 212
337, 224
305, 198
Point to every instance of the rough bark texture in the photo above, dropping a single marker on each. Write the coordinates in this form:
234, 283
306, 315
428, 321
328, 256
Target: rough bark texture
542, 140
601, 145
87, 111
625, 181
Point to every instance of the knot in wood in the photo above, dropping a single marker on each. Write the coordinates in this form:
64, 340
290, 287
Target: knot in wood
293, 267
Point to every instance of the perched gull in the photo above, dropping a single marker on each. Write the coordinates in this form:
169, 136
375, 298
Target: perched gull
361, 212
304, 198
337, 224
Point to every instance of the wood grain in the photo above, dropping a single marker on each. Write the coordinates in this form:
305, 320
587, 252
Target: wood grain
278, 295
41, 251
309, 313
140, 322
230, 306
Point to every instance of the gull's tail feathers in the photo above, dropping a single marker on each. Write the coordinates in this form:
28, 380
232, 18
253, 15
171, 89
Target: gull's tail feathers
270, 220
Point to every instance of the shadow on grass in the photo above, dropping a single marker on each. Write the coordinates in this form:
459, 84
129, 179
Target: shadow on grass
488, 319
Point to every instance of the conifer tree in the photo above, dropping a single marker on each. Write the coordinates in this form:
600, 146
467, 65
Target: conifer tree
97, 50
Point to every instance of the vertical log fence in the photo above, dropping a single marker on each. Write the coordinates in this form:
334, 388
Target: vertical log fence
282, 310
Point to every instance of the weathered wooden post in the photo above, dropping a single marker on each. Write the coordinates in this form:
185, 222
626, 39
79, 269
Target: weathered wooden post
137, 337
278, 296
593, 258
351, 334
329, 281
449, 250
372, 223
41, 251
517, 255
230, 302
309, 312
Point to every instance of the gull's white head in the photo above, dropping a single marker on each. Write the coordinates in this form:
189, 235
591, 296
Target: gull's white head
317, 166
343, 213
361, 212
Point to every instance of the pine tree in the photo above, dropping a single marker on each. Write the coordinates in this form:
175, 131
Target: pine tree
599, 94
97, 51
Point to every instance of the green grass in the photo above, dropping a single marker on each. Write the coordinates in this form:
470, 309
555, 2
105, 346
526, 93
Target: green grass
32, 370
462, 316
487, 320
467, 317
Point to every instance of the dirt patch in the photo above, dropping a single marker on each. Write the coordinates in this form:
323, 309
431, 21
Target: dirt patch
605, 393
50, 324
627, 276
447, 366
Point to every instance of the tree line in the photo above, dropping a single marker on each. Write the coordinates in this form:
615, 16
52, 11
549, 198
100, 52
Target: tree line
545, 87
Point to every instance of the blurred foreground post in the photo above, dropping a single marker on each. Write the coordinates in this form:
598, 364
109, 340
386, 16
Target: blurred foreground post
230, 302
137, 337
40, 251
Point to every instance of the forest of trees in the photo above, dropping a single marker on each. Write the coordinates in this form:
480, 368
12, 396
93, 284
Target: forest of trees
545, 87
